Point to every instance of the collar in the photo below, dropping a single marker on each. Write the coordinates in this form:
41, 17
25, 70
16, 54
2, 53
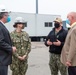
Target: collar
17, 34
1, 22
73, 24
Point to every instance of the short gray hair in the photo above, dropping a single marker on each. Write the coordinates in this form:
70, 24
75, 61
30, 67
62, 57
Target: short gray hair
2, 14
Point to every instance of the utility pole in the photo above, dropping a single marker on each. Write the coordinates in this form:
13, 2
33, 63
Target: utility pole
36, 6
36, 17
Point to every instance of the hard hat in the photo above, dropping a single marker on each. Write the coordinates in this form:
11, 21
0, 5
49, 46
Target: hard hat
3, 9
19, 20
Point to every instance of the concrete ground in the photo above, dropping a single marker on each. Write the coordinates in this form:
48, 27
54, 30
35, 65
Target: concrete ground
38, 60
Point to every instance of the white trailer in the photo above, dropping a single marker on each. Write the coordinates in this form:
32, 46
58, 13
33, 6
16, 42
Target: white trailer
37, 25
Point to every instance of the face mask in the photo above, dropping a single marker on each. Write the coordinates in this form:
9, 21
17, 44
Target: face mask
57, 25
68, 21
8, 19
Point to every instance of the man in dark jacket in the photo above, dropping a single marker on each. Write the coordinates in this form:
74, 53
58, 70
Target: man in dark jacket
6, 48
55, 41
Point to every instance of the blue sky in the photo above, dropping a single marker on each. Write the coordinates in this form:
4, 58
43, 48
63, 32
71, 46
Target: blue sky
55, 7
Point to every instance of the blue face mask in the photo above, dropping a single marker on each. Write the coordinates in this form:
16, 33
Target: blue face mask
8, 19
68, 21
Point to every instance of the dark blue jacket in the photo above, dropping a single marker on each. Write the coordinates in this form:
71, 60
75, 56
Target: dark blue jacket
61, 35
5, 46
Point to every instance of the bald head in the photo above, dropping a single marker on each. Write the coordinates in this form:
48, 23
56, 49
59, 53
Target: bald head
72, 14
72, 17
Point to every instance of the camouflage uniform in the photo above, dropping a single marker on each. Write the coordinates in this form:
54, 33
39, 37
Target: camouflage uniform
55, 65
23, 44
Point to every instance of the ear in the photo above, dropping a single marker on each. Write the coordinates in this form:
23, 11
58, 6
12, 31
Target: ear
72, 17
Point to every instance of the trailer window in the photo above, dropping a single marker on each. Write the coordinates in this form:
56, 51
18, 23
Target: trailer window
26, 24
48, 24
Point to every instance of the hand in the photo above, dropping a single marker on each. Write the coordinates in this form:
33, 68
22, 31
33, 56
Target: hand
49, 42
24, 57
58, 43
14, 49
21, 58
68, 63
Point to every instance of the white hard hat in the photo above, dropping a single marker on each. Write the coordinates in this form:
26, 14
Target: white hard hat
3, 9
19, 20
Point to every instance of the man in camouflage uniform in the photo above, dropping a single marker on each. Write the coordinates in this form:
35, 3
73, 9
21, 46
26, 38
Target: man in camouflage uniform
22, 42
55, 40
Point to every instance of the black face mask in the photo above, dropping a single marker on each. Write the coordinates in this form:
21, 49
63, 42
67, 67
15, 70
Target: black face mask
57, 25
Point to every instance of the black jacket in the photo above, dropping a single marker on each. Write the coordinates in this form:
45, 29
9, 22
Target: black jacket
61, 35
5, 46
